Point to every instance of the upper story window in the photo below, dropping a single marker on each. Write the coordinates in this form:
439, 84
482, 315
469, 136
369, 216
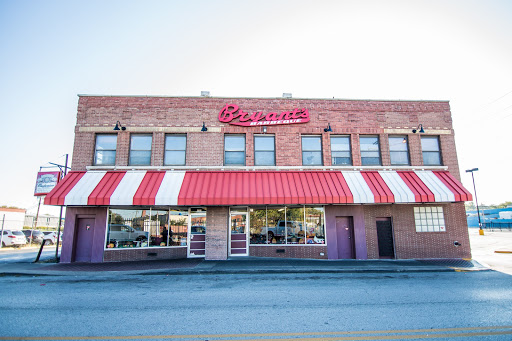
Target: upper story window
399, 150
140, 150
370, 150
234, 150
175, 149
431, 150
340, 151
312, 150
264, 150
105, 150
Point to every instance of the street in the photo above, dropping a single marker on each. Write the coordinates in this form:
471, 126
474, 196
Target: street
202, 307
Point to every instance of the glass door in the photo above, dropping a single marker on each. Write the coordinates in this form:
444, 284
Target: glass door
238, 237
197, 233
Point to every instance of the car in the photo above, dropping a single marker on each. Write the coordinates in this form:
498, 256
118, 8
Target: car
13, 238
50, 237
120, 234
37, 236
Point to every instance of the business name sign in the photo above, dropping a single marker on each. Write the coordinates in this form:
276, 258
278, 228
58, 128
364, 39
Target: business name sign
45, 182
232, 114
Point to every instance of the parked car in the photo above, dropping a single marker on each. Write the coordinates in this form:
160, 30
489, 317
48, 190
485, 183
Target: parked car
13, 238
37, 236
50, 237
124, 233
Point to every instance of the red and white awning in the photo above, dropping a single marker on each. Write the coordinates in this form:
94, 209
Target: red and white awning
219, 188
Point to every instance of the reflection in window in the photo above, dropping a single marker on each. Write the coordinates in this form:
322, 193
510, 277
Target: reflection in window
340, 151
147, 228
398, 150
370, 151
283, 225
234, 150
140, 150
178, 221
312, 150
175, 149
431, 150
198, 221
105, 150
264, 150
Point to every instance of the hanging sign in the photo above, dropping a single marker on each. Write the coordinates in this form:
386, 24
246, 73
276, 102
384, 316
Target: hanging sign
231, 114
45, 182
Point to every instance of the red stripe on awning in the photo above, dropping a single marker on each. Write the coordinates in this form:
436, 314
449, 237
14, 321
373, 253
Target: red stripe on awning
103, 191
263, 188
378, 186
461, 194
148, 188
420, 190
59, 192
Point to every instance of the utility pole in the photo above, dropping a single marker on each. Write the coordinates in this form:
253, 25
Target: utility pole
2, 235
60, 216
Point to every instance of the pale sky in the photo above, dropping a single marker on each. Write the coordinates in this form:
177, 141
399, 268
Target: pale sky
459, 51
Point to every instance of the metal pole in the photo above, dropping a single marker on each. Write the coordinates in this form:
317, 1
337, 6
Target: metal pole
2, 235
34, 225
476, 199
60, 218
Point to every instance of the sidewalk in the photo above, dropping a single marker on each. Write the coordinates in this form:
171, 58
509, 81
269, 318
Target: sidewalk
245, 265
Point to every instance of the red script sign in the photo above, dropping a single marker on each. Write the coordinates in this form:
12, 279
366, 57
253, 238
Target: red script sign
231, 112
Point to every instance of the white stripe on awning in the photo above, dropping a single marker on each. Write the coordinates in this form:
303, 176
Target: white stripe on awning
400, 190
84, 187
169, 188
360, 190
441, 192
123, 195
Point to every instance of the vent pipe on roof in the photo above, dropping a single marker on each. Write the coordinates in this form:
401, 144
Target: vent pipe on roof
205, 93
287, 95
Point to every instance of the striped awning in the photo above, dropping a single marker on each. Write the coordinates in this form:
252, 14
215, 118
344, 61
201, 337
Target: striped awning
219, 188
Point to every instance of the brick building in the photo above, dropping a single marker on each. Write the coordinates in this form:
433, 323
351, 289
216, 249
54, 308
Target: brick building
177, 177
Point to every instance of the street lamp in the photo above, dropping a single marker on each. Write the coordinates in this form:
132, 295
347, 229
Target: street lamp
481, 232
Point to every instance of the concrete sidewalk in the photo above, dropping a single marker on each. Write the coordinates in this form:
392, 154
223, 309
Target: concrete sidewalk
238, 265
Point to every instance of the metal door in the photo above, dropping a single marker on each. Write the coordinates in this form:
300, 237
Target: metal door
83, 239
385, 238
238, 237
345, 237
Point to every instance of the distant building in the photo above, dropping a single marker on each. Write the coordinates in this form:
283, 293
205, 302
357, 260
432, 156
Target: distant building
12, 218
45, 221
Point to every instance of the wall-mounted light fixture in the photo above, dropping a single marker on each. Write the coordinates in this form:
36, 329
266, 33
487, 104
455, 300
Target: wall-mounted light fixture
420, 127
328, 128
204, 128
119, 126
264, 130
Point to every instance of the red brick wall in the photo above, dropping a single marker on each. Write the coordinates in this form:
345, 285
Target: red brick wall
412, 244
313, 252
217, 233
97, 114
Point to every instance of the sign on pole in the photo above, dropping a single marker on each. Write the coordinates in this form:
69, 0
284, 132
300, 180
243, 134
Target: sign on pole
45, 182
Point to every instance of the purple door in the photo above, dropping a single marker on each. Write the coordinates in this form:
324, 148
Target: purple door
83, 240
345, 237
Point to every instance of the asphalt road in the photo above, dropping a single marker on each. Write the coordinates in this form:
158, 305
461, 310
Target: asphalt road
444, 306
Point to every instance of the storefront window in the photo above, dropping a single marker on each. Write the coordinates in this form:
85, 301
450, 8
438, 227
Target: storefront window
128, 228
258, 219
287, 225
159, 228
315, 225
178, 220
198, 221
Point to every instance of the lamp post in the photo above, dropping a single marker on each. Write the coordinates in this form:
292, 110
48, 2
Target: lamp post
481, 231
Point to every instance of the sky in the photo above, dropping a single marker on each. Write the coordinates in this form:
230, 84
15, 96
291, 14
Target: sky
51, 51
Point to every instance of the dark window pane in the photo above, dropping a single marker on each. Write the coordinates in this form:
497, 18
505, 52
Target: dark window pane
312, 158
105, 157
431, 158
140, 157
264, 158
235, 158
174, 157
